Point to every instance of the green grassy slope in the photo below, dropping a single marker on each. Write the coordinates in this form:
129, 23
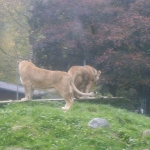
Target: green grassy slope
44, 126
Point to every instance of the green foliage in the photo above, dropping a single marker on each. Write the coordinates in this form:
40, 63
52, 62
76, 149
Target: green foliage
14, 43
43, 125
131, 93
97, 90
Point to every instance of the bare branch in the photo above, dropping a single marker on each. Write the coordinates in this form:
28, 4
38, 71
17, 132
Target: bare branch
14, 57
16, 20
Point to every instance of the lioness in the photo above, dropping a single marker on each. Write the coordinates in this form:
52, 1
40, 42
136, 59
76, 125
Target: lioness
84, 77
33, 77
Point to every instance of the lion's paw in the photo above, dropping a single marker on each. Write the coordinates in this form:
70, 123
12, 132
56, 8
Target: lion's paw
65, 108
24, 99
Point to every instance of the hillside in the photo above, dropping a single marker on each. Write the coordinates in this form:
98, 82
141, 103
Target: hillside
44, 126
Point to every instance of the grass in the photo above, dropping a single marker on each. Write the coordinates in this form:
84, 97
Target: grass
44, 126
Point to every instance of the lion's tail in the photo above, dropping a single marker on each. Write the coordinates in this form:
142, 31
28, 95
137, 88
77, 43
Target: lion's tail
76, 90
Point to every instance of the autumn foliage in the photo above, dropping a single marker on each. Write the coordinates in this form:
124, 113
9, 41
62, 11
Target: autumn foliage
111, 35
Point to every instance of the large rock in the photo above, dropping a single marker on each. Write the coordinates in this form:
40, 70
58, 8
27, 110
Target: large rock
146, 133
98, 122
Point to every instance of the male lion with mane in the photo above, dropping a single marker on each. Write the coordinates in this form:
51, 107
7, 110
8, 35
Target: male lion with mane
84, 77
33, 77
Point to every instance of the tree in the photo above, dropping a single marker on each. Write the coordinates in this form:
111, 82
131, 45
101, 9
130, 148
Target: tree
126, 63
112, 35
61, 23
14, 43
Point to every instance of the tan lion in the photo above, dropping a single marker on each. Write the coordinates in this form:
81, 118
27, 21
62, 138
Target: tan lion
84, 77
33, 77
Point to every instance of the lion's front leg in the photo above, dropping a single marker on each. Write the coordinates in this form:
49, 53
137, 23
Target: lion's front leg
24, 99
28, 93
86, 89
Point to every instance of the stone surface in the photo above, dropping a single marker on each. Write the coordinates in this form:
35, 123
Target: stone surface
145, 133
98, 122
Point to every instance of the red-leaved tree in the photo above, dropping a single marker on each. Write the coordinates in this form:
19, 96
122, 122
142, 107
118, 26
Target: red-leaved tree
111, 35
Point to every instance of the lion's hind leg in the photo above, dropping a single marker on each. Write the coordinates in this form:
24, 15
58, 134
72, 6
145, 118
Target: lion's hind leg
66, 93
69, 103
86, 89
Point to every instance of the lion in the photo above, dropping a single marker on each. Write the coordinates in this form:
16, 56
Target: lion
84, 78
33, 78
